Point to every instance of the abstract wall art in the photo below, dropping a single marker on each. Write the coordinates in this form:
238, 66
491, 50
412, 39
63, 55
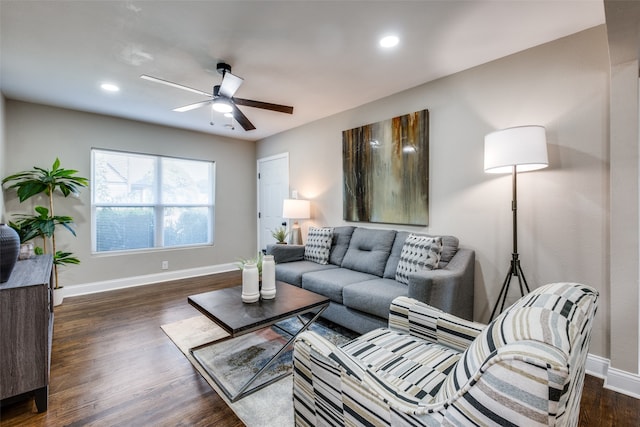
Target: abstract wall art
386, 171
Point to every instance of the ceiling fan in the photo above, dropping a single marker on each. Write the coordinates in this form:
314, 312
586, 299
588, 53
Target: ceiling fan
222, 98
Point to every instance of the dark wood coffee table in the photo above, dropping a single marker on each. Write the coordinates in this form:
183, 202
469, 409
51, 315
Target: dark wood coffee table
226, 309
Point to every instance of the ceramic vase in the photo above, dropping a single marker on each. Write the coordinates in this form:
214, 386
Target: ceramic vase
9, 250
268, 290
250, 285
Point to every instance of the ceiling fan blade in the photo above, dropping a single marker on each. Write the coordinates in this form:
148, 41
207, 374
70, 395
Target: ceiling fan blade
264, 105
230, 84
242, 119
172, 84
192, 106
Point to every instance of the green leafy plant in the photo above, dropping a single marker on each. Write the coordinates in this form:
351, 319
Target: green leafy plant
44, 223
257, 260
280, 234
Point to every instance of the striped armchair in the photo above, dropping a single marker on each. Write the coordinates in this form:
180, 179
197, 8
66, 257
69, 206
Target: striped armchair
429, 368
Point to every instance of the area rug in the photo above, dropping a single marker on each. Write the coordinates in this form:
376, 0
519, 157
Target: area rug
236, 360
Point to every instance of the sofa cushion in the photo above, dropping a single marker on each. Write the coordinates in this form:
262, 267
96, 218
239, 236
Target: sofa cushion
373, 296
409, 365
340, 244
331, 282
418, 253
318, 244
449, 249
291, 272
369, 250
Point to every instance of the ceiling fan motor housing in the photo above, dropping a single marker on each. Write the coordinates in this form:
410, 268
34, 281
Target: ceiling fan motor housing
223, 68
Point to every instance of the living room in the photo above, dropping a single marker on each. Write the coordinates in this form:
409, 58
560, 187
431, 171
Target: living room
578, 218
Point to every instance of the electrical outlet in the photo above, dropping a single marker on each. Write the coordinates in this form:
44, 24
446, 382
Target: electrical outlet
165, 265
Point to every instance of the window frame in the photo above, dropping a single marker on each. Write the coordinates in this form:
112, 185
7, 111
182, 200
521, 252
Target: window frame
158, 206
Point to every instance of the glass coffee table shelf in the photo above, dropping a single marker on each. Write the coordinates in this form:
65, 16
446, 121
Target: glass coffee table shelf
264, 320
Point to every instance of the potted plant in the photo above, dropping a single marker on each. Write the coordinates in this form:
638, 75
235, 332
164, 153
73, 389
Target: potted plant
257, 261
44, 222
280, 234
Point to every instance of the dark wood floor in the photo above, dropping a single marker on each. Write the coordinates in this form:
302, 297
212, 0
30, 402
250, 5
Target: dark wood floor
112, 365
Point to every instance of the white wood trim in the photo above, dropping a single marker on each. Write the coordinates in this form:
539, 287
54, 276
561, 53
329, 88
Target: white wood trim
148, 279
623, 382
614, 379
597, 366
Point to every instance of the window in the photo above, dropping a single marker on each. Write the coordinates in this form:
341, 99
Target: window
142, 201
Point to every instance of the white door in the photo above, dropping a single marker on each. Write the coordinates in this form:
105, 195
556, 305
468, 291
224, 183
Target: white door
273, 188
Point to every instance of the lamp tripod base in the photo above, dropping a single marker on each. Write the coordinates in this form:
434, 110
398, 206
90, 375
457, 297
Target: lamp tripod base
514, 270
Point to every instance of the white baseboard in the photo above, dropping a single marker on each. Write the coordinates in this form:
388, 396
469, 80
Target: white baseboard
614, 379
623, 382
597, 366
128, 282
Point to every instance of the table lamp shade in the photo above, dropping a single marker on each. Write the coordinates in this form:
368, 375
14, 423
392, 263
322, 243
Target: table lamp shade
296, 209
524, 147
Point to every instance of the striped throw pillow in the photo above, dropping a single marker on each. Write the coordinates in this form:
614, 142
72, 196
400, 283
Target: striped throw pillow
318, 244
418, 253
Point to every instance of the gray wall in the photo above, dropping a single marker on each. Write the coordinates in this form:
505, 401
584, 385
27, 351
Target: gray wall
623, 31
562, 210
3, 156
36, 134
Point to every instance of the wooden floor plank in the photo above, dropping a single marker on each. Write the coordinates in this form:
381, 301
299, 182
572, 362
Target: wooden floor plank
113, 365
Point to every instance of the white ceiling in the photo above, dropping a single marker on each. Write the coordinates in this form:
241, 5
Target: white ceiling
321, 57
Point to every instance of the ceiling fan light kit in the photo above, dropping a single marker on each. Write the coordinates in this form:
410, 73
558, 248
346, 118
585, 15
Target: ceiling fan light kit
222, 106
222, 99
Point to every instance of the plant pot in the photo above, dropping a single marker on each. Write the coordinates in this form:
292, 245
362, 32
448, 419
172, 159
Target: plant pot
58, 296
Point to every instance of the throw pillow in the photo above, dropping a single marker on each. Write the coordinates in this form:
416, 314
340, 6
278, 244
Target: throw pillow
418, 253
318, 245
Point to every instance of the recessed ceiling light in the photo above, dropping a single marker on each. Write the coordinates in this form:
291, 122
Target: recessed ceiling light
109, 87
389, 41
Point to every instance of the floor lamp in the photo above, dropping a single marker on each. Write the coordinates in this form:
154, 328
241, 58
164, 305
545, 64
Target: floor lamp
295, 209
517, 149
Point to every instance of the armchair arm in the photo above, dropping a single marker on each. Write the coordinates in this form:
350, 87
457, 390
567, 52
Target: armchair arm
451, 288
286, 253
432, 324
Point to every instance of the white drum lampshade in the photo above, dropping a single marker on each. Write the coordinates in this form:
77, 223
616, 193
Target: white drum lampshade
296, 209
524, 147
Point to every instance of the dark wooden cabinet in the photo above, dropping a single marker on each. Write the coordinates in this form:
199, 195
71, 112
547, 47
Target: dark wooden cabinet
26, 330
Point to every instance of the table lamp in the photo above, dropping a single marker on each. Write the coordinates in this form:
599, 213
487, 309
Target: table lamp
295, 209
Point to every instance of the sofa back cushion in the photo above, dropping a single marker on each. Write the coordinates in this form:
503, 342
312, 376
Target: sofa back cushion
369, 250
449, 249
340, 244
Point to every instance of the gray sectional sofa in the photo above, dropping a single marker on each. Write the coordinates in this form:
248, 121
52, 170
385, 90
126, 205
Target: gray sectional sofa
359, 277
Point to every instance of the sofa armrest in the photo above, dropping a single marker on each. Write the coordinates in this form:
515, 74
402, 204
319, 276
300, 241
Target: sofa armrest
432, 324
451, 288
286, 253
